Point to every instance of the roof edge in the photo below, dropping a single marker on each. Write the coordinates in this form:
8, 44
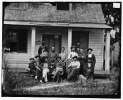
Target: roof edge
83, 25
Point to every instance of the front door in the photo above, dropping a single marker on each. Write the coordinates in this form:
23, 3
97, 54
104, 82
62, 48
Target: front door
82, 37
53, 41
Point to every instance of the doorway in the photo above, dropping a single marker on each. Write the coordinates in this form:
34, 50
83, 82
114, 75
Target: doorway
82, 37
53, 41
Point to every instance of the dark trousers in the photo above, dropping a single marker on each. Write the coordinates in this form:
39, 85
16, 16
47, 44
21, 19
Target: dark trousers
59, 76
32, 72
82, 69
89, 75
38, 73
71, 72
65, 72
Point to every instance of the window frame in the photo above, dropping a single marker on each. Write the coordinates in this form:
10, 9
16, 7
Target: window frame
8, 41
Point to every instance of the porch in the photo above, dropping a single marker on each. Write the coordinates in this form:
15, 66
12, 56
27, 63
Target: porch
37, 33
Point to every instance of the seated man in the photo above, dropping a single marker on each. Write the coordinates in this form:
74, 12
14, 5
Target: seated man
45, 70
38, 67
59, 68
73, 67
43, 55
31, 69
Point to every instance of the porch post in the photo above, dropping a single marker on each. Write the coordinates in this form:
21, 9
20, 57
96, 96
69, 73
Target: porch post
33, 32
107, 51
69, 39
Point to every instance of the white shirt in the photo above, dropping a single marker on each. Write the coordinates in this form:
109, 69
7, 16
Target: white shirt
90, 55
75, 64
72, 54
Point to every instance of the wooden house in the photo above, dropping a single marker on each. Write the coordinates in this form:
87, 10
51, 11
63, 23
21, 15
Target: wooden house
60, 25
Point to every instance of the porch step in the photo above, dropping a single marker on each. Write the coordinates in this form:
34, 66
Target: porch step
100, 74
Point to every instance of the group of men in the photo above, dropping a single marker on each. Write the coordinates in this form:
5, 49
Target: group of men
56, 65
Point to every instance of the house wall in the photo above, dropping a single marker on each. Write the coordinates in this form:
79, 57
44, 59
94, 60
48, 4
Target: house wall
15, 59
95, 42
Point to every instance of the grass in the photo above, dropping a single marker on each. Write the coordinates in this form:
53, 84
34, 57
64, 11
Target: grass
106, 88
75, 89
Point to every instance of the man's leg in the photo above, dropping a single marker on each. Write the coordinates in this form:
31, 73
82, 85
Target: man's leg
69, 71
36, 73
73, 71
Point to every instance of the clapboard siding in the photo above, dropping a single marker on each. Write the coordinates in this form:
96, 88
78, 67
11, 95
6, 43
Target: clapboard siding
96, 42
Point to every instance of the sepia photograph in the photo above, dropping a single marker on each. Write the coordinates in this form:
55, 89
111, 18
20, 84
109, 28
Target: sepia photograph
61, 49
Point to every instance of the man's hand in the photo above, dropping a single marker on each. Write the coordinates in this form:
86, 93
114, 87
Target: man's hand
28, 69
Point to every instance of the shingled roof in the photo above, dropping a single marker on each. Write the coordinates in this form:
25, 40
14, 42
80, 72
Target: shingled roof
83, 13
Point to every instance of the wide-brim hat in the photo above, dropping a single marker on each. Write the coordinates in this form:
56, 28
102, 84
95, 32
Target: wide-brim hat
75, 57
90, 49
37, 56
31, 59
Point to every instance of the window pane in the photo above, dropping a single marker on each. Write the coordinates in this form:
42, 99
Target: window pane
13, 46
22, 40
11, 41
62, 6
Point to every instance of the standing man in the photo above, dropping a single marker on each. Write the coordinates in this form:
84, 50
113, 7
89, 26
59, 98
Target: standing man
78, 48
40, 50
52, 55
72, 53
62, 55
82, 61
90, 64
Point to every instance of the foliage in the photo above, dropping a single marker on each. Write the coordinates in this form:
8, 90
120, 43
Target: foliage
9, 78
113, 18
112, 15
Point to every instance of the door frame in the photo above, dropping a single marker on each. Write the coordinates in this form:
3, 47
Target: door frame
60, 41
84, 31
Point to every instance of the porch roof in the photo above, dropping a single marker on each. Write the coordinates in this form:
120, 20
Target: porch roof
78, 25
81, 13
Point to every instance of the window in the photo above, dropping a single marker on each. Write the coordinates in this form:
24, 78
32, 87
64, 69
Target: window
62, 6
16, 40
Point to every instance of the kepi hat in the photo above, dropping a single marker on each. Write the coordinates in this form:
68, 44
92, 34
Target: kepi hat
31, 59
37, 56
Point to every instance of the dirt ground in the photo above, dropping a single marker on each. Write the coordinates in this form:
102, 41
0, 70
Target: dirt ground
101, 87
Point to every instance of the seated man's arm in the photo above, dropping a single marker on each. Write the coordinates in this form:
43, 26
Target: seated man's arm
37, 66
70, 64
78, 65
